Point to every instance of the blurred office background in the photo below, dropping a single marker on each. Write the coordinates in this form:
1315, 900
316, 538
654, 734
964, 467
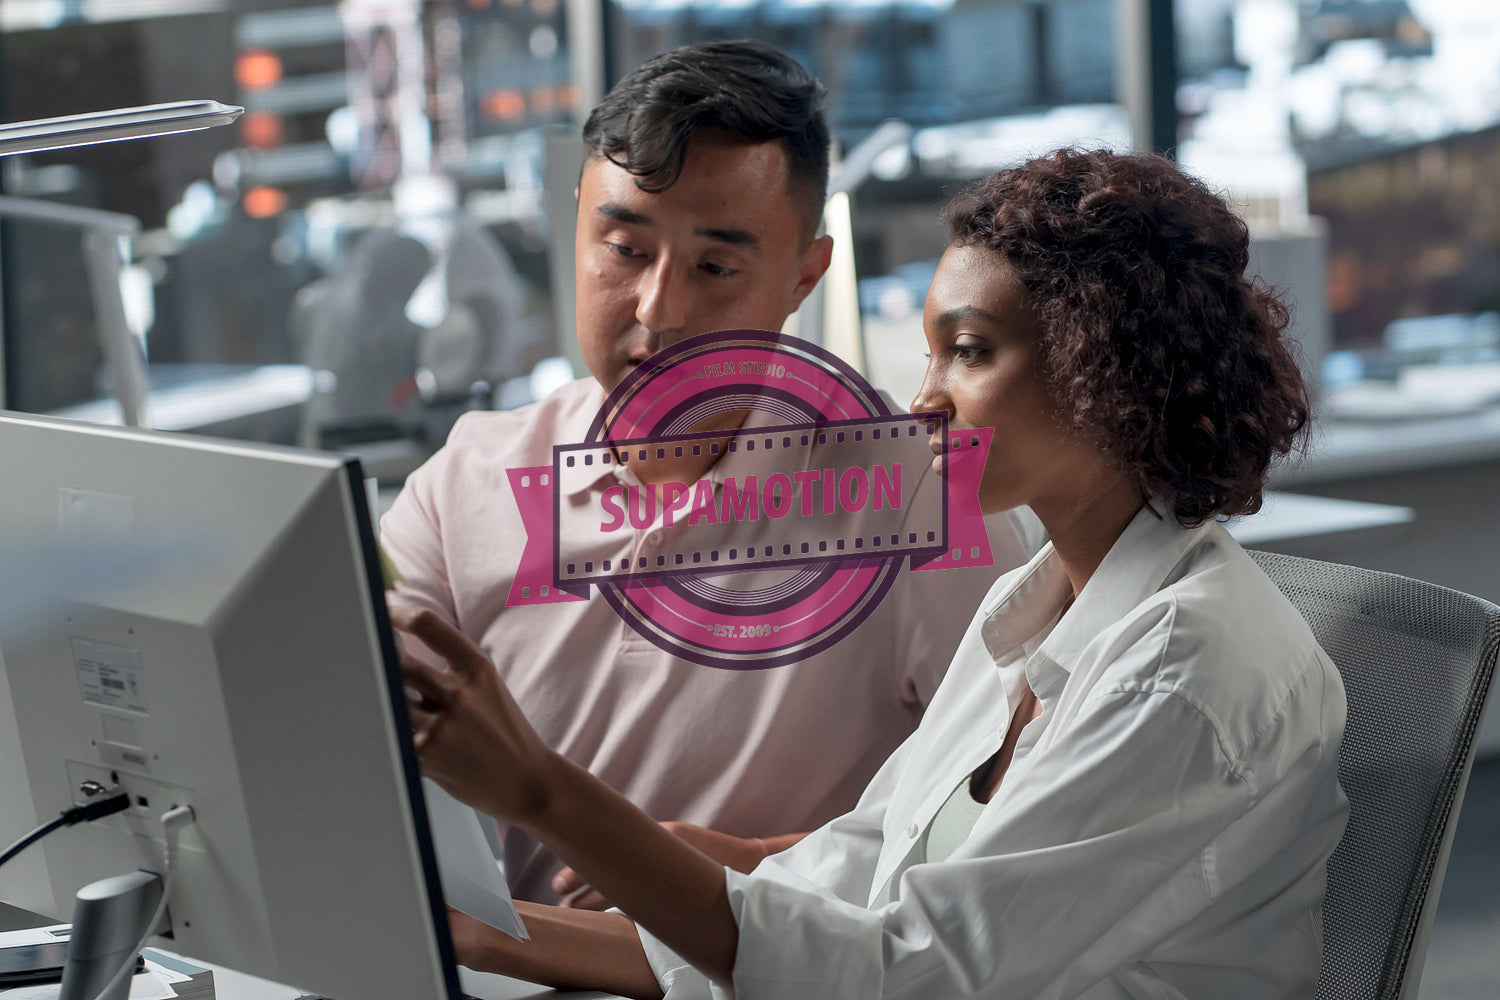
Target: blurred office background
384, 238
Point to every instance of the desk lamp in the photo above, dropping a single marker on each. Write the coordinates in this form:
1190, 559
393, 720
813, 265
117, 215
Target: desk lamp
102, 231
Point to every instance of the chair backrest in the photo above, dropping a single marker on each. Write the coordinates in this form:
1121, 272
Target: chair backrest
1416, 660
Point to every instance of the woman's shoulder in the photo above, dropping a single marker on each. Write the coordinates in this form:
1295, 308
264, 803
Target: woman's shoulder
1233, 644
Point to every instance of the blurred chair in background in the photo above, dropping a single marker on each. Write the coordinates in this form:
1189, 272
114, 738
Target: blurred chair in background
408, 333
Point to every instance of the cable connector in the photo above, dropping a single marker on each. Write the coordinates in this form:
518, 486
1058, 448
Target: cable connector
96, 808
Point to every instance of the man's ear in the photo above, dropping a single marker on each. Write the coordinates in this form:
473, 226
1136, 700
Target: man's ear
812, 266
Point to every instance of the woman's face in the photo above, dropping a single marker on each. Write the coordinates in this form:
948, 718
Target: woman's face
984, 369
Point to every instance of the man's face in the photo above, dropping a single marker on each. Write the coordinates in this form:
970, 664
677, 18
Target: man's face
721, 249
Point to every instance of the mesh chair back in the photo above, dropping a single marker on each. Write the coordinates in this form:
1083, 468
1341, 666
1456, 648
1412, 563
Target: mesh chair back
1416, 660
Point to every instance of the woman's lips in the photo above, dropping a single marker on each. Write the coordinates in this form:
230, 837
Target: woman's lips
939, 455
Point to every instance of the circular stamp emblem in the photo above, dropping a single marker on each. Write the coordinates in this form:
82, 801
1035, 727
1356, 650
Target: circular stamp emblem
808, 495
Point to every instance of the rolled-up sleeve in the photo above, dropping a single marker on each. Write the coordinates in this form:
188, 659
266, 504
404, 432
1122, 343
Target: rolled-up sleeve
836, 861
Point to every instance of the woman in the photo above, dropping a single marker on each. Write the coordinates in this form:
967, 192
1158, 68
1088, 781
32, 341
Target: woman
1126, 785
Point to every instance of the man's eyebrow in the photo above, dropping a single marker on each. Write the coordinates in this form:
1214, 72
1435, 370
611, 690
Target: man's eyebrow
614, 210
630, 217
734, 237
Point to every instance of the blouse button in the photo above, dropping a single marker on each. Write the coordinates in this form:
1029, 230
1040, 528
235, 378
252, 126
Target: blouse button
911, 830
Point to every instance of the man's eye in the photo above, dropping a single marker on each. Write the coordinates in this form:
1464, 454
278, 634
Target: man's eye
718, 270
622, 250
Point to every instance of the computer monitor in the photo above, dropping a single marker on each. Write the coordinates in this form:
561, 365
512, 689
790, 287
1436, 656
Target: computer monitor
210, 629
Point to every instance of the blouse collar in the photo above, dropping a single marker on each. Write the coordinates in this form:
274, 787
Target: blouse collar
1136, 566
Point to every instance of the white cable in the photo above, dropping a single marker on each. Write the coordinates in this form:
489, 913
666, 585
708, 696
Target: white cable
172, 822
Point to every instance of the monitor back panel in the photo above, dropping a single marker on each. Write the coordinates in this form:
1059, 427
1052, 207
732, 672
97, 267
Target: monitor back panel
198, 621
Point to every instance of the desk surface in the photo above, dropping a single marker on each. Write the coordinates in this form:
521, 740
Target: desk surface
231, 985
223, 394
1345, 449
1286, 517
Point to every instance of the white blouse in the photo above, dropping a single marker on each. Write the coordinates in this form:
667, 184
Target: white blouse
1161, 830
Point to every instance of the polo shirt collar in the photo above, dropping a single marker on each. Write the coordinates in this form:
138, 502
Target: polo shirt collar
575, 428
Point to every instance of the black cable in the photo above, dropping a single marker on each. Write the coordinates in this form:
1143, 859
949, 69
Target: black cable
96, 808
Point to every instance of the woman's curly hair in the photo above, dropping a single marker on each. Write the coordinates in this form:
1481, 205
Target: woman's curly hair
1154, 340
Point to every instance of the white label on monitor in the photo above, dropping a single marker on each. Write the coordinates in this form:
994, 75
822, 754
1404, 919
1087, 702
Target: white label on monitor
110, 675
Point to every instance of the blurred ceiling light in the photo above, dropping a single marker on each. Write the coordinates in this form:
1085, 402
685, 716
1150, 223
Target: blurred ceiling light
264, 202
342, 130
258, 70
507, 105
543, 42
543, 99
261, 129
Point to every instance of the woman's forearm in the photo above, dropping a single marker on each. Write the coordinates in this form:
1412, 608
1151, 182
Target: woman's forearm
664, 884
568, 949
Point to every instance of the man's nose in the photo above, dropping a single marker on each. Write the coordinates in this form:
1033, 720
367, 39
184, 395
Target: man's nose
661, 300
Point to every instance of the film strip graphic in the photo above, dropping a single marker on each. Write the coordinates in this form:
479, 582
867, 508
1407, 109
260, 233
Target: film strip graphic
785, 496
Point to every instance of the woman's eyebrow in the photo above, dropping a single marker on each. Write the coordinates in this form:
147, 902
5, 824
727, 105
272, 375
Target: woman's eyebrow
949, 317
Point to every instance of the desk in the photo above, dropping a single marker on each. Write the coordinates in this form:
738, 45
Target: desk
231, 985
1318, 527
1347, 449
214, 399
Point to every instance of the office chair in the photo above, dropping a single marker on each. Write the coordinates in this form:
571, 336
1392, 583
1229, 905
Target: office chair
1416, 660
380, 377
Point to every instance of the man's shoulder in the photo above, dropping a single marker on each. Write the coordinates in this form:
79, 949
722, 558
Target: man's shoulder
525, 435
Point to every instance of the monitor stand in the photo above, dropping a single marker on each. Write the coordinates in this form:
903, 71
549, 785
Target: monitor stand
109, 922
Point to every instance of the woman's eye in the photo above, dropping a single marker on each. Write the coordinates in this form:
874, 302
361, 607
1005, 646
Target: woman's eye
966, 352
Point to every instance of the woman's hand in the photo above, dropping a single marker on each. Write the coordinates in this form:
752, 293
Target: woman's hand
471, 736
475, 743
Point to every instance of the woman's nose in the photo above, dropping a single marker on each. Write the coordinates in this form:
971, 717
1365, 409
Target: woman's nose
931, 395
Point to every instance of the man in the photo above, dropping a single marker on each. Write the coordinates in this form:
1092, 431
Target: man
698, 208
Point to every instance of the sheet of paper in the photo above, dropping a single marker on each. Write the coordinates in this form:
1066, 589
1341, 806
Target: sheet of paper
35, 935
143, 986
471, 880
488, 986
166, 975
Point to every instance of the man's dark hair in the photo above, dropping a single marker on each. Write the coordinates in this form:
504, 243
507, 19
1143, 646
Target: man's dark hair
746, 89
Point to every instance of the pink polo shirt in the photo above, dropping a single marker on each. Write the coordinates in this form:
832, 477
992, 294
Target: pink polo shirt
748, 752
